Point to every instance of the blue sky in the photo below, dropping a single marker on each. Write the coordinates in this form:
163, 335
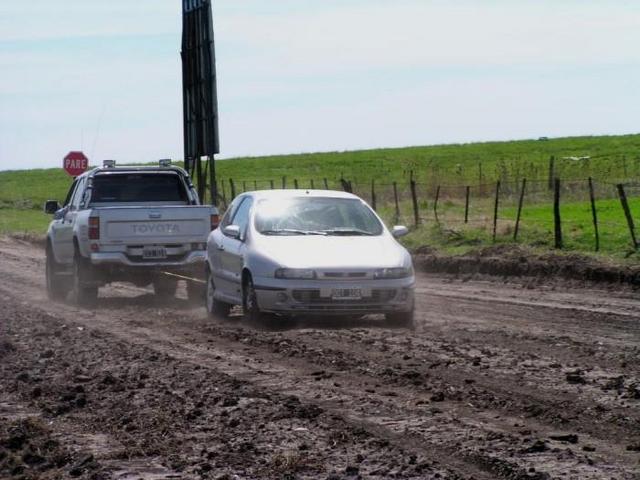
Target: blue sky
302, 75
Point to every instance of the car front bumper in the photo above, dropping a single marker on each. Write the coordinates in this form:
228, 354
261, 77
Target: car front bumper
315, 297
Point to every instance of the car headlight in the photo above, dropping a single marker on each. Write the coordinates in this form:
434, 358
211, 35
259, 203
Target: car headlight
389, 273
295, 273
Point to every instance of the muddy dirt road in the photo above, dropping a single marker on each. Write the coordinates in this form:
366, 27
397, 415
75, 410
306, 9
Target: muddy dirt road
513, 381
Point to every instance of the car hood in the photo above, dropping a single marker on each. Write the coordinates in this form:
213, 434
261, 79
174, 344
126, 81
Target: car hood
316, 251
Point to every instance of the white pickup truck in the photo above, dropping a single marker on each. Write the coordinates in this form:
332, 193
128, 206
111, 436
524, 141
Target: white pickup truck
143, 225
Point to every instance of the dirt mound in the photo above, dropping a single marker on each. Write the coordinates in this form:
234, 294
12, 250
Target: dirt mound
35, 239
516, 261
28, 450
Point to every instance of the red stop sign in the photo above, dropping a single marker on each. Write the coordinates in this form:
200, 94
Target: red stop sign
75, 163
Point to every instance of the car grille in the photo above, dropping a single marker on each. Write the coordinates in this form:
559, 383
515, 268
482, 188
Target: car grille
333, 275
313, 297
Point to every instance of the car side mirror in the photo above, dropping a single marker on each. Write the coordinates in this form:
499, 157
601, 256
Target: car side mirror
232, 231
51, 207
399, 231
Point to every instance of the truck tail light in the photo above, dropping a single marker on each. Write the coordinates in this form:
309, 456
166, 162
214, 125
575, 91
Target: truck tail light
94, 228
215, 220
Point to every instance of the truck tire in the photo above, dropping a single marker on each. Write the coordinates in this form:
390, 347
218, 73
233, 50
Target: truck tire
196, 292
83, 292
164, 286
215, 307
57, 287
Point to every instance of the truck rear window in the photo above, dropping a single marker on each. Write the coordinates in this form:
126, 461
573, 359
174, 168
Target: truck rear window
136, 188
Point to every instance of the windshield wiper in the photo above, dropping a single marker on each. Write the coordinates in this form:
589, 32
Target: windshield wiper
291, 231
348, 231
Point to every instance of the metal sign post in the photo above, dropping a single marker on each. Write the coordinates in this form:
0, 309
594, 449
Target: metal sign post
199, 95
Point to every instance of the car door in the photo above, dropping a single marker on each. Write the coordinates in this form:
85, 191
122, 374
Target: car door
65, 231
61, 234
215, 246
232, 255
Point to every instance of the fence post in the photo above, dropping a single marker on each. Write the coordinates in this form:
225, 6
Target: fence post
414, 197
255, 185
295, 183
224, 194
520, 202
233, 189
466, 204
594, 213
272, 185
313, 187
244, 186
395, 197
326, 184
435, 204
284, 182
495, 211
373, 195
627, 213
552, 171
557, 222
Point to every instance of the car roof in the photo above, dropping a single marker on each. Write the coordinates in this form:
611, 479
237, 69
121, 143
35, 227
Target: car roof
293, 193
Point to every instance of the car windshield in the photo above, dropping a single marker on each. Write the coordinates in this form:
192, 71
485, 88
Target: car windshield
138, 188
316, 216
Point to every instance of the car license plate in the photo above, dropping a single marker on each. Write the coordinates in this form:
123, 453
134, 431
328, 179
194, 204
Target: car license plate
346, 294
154, 252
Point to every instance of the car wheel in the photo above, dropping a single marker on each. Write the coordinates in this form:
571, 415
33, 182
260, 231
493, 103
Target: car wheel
215, 307
250, 302
57, 288
401, 319
164, 286
83, 292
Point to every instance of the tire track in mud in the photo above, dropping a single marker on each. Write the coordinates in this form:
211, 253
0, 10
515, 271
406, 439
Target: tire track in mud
160, 403
346, 373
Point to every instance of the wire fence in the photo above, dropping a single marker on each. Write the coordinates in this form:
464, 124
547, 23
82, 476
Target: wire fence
575, 215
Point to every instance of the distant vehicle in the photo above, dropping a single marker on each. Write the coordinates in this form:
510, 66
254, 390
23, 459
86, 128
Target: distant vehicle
293, 252
133, 224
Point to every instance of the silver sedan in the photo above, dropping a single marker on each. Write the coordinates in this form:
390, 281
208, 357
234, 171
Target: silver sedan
301, 252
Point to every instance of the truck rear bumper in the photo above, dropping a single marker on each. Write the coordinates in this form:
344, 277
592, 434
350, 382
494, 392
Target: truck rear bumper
120, 259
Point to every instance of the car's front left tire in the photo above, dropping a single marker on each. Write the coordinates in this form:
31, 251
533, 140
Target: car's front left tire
215, 307
250, 301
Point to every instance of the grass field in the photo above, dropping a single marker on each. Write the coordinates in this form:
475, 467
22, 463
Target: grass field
607, 159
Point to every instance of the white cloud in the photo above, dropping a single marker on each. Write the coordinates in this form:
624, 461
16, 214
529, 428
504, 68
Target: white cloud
432, 33
51, 19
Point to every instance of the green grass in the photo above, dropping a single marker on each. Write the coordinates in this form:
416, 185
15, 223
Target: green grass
452, 236
612, 159
14, 220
